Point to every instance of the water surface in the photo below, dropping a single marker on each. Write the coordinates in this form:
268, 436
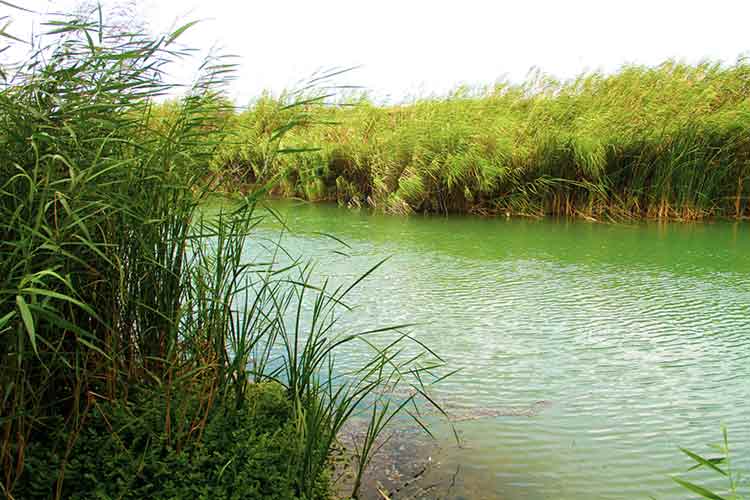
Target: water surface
636, 337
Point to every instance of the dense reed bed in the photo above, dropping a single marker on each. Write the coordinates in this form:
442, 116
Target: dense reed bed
669, 141
143, 351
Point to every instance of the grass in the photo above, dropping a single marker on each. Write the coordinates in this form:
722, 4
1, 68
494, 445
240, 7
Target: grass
667, 142
114, 286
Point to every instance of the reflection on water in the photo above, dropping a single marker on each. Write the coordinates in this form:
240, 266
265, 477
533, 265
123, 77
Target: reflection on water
637, 337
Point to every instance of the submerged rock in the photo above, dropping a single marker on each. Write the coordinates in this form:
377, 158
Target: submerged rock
408, 464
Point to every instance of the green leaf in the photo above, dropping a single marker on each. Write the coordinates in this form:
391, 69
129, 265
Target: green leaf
179, 31
5, 320
698, 489
710, 463
57, 295
14, 6
5, 34
328, 235
28, 320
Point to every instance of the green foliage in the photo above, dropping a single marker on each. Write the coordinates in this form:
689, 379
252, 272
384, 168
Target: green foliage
122, 453
670, 141
97, 199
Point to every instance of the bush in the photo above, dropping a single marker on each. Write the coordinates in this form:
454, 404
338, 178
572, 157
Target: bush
125, 452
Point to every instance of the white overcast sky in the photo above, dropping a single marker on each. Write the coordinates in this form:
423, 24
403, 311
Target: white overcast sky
408, 47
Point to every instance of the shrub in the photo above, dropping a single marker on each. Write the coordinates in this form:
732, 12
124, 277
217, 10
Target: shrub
124, 452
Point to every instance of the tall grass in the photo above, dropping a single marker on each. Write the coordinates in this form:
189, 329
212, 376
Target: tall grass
113, 282
669, 141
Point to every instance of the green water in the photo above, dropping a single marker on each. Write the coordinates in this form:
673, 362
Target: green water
637, 337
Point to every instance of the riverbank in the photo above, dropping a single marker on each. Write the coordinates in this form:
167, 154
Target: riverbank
665, 142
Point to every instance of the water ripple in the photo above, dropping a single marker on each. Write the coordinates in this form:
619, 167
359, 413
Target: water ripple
640, 345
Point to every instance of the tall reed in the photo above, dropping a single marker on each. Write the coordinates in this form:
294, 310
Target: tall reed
669, 141
96, 207
114, 281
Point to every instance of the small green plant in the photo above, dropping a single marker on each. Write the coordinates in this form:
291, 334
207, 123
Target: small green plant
737, 488
122, 453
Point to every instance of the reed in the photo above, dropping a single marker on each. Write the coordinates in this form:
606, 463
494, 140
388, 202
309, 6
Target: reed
115, 285
721, 467
669, 141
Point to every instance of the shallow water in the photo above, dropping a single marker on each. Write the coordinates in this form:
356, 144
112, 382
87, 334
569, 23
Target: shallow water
636, 337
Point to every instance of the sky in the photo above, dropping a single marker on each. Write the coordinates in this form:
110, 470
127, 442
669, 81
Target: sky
407, 48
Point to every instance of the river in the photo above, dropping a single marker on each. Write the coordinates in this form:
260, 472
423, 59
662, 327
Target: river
589, 352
